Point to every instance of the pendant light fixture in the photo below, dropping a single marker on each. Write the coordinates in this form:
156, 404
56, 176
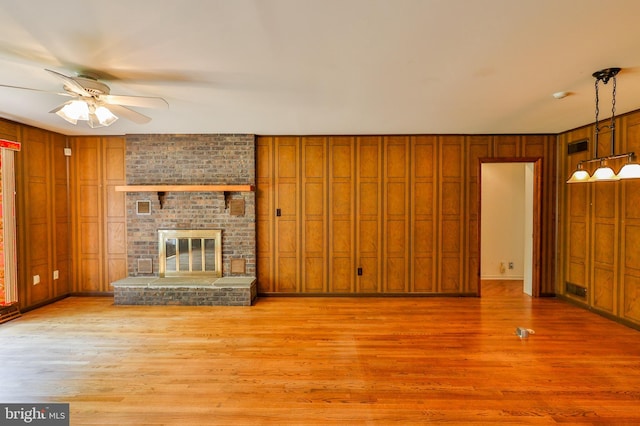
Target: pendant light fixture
604, 173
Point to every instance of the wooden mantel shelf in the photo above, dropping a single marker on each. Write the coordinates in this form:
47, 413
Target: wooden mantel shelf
184, 188
163, 189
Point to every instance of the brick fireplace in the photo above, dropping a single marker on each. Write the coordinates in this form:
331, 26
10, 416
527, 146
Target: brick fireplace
190, 160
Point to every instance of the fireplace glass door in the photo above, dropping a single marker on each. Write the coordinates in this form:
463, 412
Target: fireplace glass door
190, 252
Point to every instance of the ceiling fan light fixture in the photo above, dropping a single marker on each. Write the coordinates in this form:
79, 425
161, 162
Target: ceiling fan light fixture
73, 111
105, 116
93, 102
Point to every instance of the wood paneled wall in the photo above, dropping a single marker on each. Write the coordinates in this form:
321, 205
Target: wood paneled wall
70, 220
42, 217
383, 214
599, 226
99, 213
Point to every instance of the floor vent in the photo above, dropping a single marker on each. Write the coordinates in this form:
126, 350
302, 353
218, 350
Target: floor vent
7, 313
575, 290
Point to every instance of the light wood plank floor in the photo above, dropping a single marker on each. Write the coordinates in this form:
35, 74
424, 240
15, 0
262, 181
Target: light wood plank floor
306, 361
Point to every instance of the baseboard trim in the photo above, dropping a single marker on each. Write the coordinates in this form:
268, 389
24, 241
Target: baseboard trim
603, 314
364, 295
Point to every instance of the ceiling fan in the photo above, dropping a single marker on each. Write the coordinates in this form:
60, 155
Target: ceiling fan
93, 102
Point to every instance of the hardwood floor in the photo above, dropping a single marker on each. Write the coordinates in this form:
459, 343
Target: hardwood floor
303, 361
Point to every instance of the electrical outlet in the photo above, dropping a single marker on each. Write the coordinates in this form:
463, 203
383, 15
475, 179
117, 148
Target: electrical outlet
56, 274
36, 279
510, 265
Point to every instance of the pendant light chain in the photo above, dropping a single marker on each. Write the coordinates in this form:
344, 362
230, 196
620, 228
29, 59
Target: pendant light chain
597, 129
613, 117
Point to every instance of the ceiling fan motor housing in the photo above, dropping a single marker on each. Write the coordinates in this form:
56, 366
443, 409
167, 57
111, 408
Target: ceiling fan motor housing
91, 85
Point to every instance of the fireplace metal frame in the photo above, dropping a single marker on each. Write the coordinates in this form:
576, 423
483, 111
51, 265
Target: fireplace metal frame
190, 235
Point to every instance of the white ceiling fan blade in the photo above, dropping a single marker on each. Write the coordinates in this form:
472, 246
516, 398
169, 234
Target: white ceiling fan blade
35, 90
71, 84
58, 108
129, 114
136, 101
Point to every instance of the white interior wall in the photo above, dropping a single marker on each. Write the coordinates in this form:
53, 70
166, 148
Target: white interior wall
503, 221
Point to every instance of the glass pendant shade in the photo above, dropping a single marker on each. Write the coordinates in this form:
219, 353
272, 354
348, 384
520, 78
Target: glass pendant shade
101, 117
630, 171
603, 174
579, 176
73, 111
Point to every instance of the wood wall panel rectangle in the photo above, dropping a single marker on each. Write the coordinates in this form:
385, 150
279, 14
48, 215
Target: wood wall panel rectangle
116, 269
631, 302
577, 243
341, 274
90, 269
314, 278
116, 237
451, 198
604, 243
506, 145
288, 162
423, 155
577, 197
287, 274
314, 196
423, 198
632, 247
314, 237
632, 199
423, 270
88, 155
37, 161
451, 157
369, 281
396, 279
38, 248
38, 196
451, 274
604, 200
603, 289
369, 199
115, 203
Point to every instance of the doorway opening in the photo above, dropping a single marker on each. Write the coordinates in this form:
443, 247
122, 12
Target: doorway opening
509, 226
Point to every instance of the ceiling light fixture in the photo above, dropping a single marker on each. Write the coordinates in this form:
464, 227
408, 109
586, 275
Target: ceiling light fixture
561, 95
89, 110
631, 170
73, 111
100, 116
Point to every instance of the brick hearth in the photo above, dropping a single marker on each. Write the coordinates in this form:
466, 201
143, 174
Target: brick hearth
226, 291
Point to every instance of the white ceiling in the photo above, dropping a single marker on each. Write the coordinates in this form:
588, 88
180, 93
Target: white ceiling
326, 66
